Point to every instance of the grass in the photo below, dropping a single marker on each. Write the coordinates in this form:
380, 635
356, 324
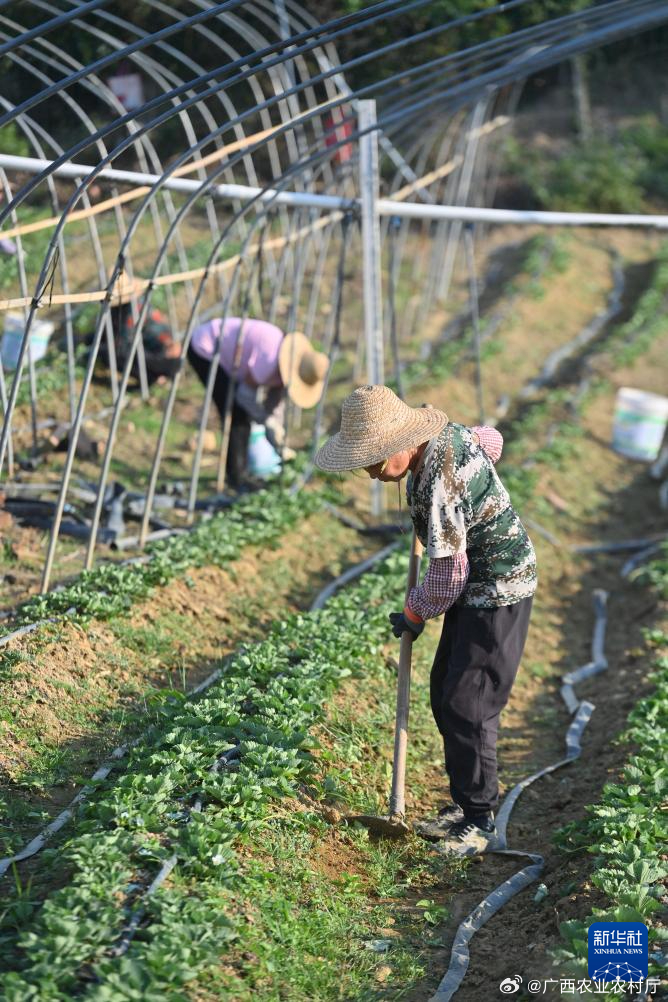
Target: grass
329, 923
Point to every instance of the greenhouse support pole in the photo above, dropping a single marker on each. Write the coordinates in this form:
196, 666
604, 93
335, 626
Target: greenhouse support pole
371, 260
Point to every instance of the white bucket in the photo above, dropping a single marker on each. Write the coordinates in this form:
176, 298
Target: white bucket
639, 423
12, 339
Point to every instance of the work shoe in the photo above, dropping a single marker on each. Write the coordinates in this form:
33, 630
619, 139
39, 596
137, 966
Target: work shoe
466, 838
439, 827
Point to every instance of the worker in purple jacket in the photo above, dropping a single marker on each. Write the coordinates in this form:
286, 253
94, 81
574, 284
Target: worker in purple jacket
265, 364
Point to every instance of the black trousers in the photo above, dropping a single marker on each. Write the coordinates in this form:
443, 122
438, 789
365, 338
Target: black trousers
473, 672
237, 453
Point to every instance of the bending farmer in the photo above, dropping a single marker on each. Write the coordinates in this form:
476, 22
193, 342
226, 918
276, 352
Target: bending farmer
259, 356
482, 574
161, 352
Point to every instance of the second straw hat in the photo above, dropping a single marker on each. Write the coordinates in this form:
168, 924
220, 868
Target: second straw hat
303, 370
375, 424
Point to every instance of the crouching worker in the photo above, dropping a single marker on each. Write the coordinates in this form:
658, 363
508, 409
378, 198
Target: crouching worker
481, 574
261, 358
161, 351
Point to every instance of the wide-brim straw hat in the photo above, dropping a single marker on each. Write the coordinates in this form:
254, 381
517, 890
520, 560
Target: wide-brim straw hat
125, 289
375, 424
303, 369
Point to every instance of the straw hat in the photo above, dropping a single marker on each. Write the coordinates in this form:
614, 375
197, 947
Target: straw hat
303, 370
125, 289
375, 424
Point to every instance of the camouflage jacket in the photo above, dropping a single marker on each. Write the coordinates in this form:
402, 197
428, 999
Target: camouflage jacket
459, 505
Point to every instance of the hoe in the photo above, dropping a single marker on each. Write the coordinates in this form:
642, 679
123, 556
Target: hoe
394, 823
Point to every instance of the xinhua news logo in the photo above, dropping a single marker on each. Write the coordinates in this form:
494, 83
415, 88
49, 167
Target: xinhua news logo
617, 951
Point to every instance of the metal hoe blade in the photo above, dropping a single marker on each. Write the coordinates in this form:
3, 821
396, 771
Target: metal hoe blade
392, 825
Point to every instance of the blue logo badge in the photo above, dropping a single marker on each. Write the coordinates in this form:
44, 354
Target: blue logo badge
617, 951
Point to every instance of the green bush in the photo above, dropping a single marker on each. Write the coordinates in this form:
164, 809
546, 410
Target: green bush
13, 142
599, 175
596, 176
650, 141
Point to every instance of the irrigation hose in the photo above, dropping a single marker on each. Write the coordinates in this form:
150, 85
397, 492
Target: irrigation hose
137, 914
41, 839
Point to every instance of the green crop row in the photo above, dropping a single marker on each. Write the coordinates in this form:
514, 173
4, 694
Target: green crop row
627, 831
111, 592
267, 700
112, 589
649, 319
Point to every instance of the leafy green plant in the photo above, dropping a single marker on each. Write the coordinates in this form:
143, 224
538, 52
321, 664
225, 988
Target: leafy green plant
656, 573
628, 830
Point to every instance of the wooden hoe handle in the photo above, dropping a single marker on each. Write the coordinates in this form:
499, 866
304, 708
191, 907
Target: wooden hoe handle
397, 797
